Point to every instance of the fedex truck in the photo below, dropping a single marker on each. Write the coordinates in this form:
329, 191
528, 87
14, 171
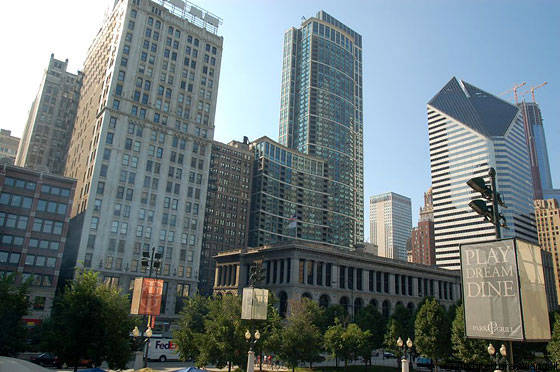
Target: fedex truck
162, 349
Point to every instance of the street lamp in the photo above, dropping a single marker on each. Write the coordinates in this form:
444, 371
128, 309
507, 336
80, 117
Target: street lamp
494, 355
251, 339
405, 352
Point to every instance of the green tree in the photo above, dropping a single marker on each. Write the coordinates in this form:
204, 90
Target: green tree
191, 327
301, 338
399, 325
223, 342
394, 331
466, 349
370, 319
553, 347
91, 321
346, 342
432, 336
330, 314
14, 306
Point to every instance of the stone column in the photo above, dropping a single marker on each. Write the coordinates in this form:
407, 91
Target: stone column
294, 270
304, 271
217, 274
414, 287
391, 283
314, 277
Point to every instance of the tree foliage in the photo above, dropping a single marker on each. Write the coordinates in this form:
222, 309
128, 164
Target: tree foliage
301, 339
432, 336
553, 347
91, 321
348, 343
467, 350
191, 327
14, 306
224, 338
370, 319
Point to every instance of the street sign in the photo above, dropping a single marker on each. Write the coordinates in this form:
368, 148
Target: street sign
503, 291
255, 303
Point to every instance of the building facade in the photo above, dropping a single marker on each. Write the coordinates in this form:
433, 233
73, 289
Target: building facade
34, 214
290, 196
321, 113
8, 146
47, 134
470, 131
547, 215
422, 243
142, 143
293, 270
390, 223
226, 221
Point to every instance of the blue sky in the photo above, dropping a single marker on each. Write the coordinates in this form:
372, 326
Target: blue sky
410, 50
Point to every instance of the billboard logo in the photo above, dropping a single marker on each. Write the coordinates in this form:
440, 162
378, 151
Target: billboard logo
492, 328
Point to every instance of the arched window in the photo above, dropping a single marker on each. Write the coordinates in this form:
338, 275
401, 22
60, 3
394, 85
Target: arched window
358, 305
410, 306
386, 308
344, 303
324, 301
306, 295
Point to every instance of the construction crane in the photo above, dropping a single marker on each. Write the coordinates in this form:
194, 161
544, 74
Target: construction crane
514, 90
532, 90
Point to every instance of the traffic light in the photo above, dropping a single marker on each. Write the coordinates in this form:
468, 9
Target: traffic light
488, 192
145, 258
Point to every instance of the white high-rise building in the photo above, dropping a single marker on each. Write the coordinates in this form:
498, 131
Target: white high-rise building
390, 223
142, 142
470, 131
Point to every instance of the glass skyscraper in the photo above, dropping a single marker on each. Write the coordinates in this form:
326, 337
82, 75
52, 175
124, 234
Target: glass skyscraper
470, 131
321, 114
536, 142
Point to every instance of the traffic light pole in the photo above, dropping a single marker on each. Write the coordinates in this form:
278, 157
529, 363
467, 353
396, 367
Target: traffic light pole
492, 174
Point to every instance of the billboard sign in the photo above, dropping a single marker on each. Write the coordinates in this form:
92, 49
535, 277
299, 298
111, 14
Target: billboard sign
491, 291
254, 304
503, 291
533, 292
146, 297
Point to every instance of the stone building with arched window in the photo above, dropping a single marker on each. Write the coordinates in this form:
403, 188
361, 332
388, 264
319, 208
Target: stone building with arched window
354, 279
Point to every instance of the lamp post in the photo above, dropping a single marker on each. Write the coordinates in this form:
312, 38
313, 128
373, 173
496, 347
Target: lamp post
496, 357
405, 353
251, 339
136, 333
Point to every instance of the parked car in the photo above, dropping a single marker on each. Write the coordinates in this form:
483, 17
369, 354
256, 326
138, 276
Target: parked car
388, 355
424, 362
60, 363
45, 359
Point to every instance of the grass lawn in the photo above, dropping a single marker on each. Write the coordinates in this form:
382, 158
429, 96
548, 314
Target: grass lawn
350, 369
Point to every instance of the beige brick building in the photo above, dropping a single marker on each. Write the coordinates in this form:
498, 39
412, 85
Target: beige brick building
547, 215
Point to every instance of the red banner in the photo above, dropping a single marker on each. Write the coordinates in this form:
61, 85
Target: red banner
146, 298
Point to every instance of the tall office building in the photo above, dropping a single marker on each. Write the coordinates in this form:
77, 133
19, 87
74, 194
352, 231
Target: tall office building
423, 249
390, 223
538, 153
8, 146
547, 215
290, 198
47, 134
34, 215
470, 131
142, 142
321, 114
226, 221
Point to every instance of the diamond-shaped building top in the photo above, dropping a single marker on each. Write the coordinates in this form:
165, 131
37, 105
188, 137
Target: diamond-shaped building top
479, 110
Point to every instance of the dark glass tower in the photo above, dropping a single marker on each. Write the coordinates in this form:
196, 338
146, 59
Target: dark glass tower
321, 114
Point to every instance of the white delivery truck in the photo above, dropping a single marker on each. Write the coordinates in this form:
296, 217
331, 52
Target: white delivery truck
162, 349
